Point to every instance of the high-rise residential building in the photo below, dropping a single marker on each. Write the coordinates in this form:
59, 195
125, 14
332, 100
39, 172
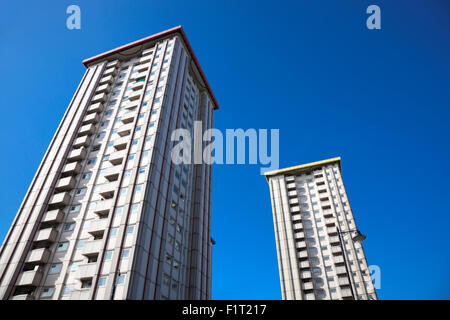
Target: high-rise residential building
319, 249
108, 214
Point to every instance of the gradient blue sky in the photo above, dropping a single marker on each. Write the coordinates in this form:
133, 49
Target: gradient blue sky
379, 99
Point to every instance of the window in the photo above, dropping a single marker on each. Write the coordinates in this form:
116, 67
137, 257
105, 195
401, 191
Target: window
80, 244
108, 113
127, 173
152, 124
141, 170
67, 290
69, 226
134, 207
91, 161
55, 268
130, 229
47, 292
120, 279
75, 208
125, 253
62, 246
138, 188
92, 205
100, 135
131, 157
80, 192
87, 175
101, 281
135, 142
138, 128
108, 255
105, 123
74, 265
113, 232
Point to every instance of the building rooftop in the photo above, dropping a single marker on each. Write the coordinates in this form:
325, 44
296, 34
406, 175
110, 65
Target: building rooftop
303, 167
154, 37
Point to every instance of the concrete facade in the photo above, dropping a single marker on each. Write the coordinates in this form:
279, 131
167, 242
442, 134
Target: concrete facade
108, 215
314, 229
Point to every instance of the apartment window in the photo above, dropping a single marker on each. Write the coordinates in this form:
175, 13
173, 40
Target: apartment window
131, 157
47, 292
130, 229
120, 279
125, 253
69, 226
113, 232
87, 175
108, 255
101, 281
74, 265
145, 154
138, 188
127, 173
62, 246
105, 123
152, 124
86, 284
100, 135
91, 161
141, 170
333, 290
106, 158
123, 191
80, 244
55, 268
110, 144
80, 192
92, 205
177, 246
122, 75
135, 142
138, 128
67, 290
75, 208
328, 268
134, 207
108, 113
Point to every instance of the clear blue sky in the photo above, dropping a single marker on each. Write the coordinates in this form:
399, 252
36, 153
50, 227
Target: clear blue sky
379, 99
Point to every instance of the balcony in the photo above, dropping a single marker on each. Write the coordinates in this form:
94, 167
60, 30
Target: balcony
341, 270
137, 85
59, 200
86, 130
107, 190
334, 239
23, 297
332, 231
76, 155
330, 222
30, 278
113, 63
303, 254
125, 130
53, 216
304, 264
83, 141
328, 213
65, 184
92, 247
346, 293
310, 296
97, 227
112, 174
106, 79
290, 179
121, 143
38, 256
308, 286
298, 226
102, 208
292, 193
117, 157
305, 274
338, 259
96, 107
110, 72
343, 281
336, 249
145, 59
86, 270
293, 201
132, 106
103, 88
134, 96
91, 118
295, 209
300, 244
128, 118
46, 235
101, 97
299, 235
80, 294
71, 169
142, 67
